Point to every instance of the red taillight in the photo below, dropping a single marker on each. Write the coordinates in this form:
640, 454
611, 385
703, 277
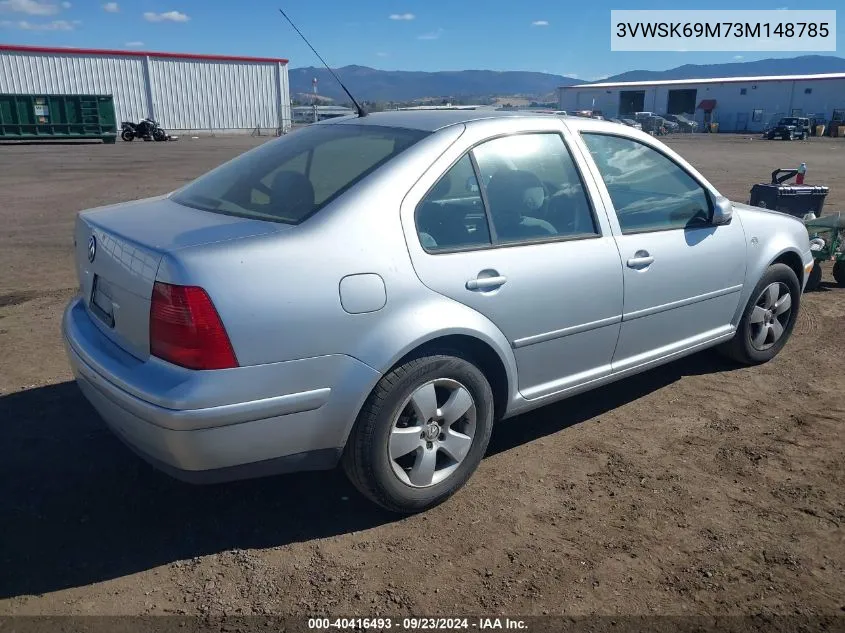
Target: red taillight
186, 330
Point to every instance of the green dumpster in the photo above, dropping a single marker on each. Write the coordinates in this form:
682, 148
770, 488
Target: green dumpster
57, 117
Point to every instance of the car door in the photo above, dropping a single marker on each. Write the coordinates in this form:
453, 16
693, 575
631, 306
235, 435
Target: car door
682, 274
509, 229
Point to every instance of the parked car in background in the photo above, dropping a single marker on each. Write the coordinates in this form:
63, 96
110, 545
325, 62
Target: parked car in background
685, 124
632, 123
378, 291
789, 129
590, 114
655, 124
648, 120
671, 127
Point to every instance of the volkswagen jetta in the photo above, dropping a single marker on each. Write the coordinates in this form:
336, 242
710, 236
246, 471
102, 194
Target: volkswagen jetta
378, 291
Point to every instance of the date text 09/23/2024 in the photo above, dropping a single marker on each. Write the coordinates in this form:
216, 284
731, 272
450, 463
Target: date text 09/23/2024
416, 624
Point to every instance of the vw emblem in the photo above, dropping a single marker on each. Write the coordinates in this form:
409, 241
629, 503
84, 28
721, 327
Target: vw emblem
432, 431
92, 248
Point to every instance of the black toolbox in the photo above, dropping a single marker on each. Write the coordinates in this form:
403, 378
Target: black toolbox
797, 200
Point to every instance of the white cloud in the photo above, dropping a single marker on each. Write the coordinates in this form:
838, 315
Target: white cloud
55, 25
135, 44
434, 35
782, 9
738, 57
402, 16
168, 16
66, 5
540, 23
383, 54
29, 7
111, 7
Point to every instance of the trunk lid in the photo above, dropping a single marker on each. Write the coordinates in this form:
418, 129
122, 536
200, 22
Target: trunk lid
118, 252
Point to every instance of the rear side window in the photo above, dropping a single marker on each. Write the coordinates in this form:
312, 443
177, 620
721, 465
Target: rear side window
290, 179
529, 190
534, 190
452, 213
650, 192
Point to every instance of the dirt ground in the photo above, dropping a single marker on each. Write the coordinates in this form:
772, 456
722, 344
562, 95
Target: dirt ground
696, 488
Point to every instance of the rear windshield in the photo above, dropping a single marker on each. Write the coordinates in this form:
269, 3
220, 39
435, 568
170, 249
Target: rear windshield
289, 179
790, 121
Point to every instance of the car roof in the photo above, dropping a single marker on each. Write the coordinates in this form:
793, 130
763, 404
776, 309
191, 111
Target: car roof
428, 120
580, 123
434, 120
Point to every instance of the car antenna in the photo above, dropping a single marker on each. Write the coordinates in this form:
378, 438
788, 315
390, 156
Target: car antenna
361, 111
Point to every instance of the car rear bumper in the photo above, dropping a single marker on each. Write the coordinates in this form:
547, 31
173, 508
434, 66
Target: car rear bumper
204, 426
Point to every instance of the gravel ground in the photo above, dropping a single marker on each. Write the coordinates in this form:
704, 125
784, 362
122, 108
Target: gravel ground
695, 488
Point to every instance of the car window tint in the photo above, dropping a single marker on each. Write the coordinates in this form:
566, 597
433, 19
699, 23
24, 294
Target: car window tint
260, 194
533, 189
452, 215
650, 192
343, 160
288, 179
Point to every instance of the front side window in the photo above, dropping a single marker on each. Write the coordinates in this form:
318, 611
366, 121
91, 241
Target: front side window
533, 188
649, 191
289, 179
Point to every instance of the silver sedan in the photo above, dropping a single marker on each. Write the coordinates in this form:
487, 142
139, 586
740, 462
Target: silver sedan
378, 291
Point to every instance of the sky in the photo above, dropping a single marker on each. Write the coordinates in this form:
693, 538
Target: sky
561, 36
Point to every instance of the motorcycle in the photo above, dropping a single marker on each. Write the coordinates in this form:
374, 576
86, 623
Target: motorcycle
147, 129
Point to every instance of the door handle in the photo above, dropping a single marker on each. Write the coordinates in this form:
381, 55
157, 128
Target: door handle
641, 259
486, 283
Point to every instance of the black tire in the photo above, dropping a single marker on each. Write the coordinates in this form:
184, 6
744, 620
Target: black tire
127, 136
740, 348
159, 135
839, 272
366, 458
814, 279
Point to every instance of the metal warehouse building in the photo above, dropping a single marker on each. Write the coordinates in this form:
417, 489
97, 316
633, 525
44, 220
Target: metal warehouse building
183, 92
737, 104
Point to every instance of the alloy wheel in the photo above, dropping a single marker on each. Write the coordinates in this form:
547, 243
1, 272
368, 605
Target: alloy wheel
770, 316
433, 433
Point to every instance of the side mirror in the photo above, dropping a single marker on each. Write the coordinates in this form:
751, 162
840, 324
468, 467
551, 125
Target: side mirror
723, 211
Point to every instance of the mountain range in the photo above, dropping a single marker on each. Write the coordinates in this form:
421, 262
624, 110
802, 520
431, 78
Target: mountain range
397, 85
803, 65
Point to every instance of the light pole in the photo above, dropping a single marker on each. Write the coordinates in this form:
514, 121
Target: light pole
314, 88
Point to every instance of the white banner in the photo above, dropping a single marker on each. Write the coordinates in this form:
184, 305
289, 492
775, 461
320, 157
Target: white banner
723, 30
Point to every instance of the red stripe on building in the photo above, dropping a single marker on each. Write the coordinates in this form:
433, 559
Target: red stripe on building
11, 48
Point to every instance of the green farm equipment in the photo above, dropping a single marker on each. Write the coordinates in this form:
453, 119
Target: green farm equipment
827, 240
